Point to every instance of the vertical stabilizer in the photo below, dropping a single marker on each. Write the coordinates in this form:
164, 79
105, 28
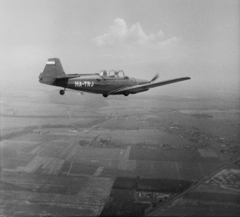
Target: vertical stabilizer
52, 71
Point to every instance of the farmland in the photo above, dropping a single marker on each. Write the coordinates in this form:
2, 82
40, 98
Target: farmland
66, 154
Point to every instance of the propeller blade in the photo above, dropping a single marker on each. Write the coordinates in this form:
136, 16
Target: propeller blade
154, 78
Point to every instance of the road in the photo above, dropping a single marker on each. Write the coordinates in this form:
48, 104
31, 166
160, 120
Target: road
161, 208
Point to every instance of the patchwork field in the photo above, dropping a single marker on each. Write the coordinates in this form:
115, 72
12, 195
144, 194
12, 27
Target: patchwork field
218, 195
60, 155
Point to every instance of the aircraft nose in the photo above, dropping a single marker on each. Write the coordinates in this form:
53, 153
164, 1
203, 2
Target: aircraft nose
141, 81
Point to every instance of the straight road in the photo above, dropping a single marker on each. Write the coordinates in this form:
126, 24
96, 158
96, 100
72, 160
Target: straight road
161, 208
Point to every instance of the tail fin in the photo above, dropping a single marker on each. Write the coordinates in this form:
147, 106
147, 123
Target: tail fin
52, 71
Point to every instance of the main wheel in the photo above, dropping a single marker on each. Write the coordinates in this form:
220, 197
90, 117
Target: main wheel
62, 92
126, 94
105, 95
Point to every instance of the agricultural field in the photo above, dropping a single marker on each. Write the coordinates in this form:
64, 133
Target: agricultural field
217, 195
66, 154
132, 196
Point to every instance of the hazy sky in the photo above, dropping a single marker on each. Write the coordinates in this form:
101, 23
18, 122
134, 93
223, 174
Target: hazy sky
179, 38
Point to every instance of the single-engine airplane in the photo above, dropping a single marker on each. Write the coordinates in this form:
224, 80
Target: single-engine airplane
106, 83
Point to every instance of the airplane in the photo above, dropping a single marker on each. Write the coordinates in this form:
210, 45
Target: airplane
113, 82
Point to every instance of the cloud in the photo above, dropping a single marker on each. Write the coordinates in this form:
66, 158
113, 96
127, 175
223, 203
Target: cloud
132, 45
119, 33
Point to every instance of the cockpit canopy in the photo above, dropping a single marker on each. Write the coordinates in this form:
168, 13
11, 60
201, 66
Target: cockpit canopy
112, 73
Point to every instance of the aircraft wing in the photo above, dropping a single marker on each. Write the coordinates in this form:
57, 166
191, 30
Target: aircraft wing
143, 87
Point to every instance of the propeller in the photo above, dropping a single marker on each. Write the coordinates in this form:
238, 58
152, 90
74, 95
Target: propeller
154, 78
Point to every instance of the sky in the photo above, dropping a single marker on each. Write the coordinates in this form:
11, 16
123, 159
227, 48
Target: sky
174, 38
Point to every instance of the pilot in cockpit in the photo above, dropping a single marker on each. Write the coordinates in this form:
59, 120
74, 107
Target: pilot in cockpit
116, 74
103, 73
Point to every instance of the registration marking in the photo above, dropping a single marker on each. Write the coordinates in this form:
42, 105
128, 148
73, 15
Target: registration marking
84, 83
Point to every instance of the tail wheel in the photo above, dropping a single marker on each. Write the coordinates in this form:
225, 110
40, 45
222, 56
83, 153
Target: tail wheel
62, 92
105, 95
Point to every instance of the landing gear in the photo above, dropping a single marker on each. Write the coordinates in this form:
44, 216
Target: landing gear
62, 92
126, 94
105, 95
